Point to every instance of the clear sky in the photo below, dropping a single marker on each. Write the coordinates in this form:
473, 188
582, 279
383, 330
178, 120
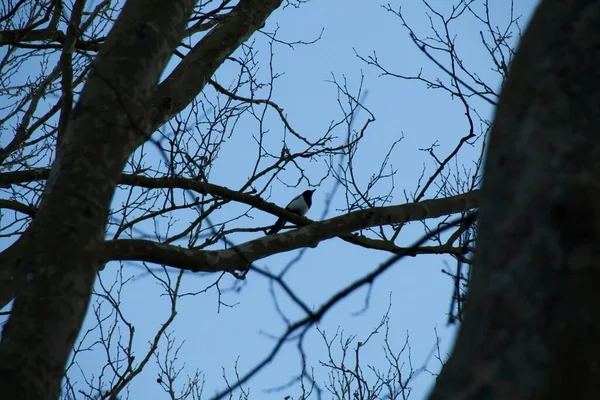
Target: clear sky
216, 338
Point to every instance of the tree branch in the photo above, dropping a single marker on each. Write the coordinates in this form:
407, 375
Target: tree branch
239, 257
189, 78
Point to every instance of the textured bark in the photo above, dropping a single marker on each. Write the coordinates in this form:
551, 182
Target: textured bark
52, 266
61, 251
532, 320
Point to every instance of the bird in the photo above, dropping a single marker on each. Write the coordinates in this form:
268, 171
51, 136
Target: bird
299, 205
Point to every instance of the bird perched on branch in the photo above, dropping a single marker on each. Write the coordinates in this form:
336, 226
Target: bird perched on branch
299, 205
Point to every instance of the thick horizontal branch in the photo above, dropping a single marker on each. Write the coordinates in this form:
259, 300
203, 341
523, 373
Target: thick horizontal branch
449, 205
17, 206
239, 257
50, 38
20, 177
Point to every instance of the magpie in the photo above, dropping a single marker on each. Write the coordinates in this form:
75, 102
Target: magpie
299, 205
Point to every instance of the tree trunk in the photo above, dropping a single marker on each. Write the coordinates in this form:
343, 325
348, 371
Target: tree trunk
532, 320
61, 251
52, 266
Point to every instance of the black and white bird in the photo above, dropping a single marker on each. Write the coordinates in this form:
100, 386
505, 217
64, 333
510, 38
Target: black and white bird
299, 205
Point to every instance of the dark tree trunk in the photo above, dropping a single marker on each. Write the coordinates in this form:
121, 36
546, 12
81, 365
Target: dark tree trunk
532, 322
51, 269
60, 253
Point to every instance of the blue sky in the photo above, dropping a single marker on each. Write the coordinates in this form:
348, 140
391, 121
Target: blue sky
216, 338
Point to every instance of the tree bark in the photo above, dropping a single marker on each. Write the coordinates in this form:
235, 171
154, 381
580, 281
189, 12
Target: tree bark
532, 320
62, 250
51, 268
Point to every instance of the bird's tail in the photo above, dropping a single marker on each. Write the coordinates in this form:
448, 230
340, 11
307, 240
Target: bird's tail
277, 227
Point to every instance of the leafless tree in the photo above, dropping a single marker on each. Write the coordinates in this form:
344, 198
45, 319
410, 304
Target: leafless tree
114, 118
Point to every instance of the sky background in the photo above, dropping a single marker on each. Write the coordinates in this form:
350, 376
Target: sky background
216, 338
